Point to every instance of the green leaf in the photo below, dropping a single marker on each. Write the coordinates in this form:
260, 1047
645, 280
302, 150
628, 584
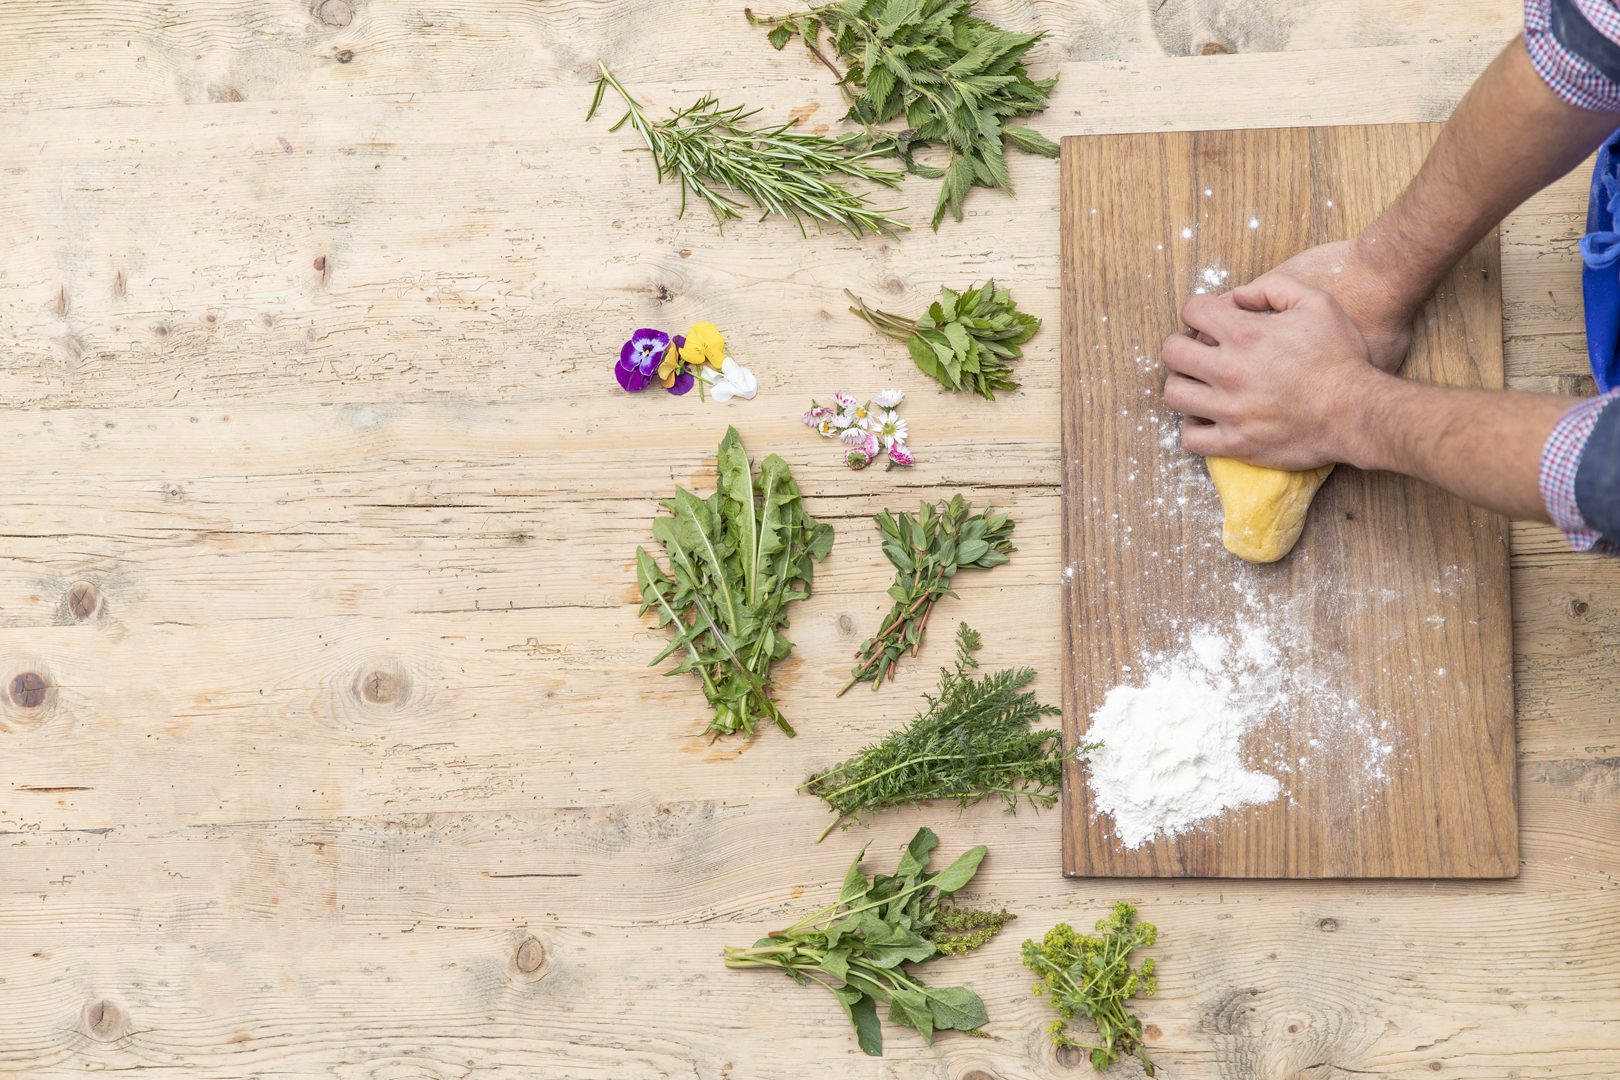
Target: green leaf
862, 1012
956, 1008
910, 1008
780, 35
855, 883
960, 872
1029, 140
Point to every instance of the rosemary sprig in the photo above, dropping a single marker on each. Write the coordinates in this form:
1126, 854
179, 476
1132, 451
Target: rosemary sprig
927, 549
954, 78
1090, 975
964, 341
859, 946
973, 742
712, 152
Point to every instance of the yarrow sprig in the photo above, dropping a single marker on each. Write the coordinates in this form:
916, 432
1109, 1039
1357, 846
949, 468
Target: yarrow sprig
867, 429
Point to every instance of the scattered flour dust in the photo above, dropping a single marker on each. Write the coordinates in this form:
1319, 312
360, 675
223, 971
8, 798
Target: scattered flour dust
1178, 745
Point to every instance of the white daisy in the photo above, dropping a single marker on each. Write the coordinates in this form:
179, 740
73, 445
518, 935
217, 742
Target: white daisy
888, 399
854, 436
889, 428
863, 416
845, 402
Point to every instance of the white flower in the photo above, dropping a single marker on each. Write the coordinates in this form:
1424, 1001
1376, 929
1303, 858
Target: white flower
888, 399
900, 454
863, 416
840, 421
854, 436
846, 402
732, 380
889, 428
825, 428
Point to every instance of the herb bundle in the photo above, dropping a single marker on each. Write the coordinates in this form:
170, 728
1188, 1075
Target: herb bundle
794, 174
972, 742
857, 946
927, 549
964, 341
736, 560
1091, 975
953, 78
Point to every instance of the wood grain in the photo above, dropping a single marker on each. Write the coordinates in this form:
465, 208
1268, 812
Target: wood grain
1394, 604
223, 859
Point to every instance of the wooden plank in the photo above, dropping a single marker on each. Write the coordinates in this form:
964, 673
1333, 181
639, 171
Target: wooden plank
1393, 607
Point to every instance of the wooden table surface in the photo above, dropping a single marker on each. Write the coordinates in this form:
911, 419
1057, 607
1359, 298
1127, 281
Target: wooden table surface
343, 760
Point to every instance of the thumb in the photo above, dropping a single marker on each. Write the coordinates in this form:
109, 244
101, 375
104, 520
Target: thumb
1272, 292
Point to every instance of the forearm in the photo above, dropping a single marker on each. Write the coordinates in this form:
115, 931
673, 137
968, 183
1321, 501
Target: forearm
1510, 137
1484, 446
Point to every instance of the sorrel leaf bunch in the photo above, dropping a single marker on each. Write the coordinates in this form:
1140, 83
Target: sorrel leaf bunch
971, 743
927, 549
1090, 975
715, 154
859, 946
953, 78
736, 561
964, 341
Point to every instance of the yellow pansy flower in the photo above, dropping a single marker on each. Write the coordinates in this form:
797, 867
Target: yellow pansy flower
666, 366
704, 345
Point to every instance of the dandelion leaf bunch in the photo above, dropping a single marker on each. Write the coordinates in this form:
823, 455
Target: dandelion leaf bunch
952, 79
735, 561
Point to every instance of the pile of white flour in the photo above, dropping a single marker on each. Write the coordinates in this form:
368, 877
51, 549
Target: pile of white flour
1172, 752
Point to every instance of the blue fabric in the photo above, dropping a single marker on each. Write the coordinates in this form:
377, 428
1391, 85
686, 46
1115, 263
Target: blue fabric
1600, 278
1597, 478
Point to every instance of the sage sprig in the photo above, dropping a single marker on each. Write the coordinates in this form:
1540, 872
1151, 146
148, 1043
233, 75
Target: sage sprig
736, 561
927, 549
971, 743
714, 153
964, 341
955, 79
858, 947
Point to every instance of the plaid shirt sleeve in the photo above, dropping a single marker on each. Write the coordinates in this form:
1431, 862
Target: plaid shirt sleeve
1575, 47
1577, 470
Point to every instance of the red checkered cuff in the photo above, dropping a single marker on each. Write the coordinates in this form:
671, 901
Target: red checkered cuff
1560, 460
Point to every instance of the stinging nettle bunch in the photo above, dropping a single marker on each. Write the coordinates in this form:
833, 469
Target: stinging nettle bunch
927, 549
964, 341
736, 561
954, 79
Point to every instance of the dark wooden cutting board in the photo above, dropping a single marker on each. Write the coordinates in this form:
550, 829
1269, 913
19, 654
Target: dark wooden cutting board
1396, 596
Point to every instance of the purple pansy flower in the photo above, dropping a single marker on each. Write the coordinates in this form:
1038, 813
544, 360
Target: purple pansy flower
639, 359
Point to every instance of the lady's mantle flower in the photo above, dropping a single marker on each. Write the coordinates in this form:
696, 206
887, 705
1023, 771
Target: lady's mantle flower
640, 357
889, 428
704, 345
888, 399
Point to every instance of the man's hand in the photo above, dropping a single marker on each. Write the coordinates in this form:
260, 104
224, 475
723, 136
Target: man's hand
1351, 272
1283, 383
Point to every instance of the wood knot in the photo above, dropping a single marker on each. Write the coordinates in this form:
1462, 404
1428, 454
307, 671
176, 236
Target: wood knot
1435, 1066
1327, 926
1214, 48
320, 262
345, 55
335, 13
382, 687
846, 625
979, 1074
28, 690
105, 1022
530, 956
83, 600
1070, 1056
1579, 608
